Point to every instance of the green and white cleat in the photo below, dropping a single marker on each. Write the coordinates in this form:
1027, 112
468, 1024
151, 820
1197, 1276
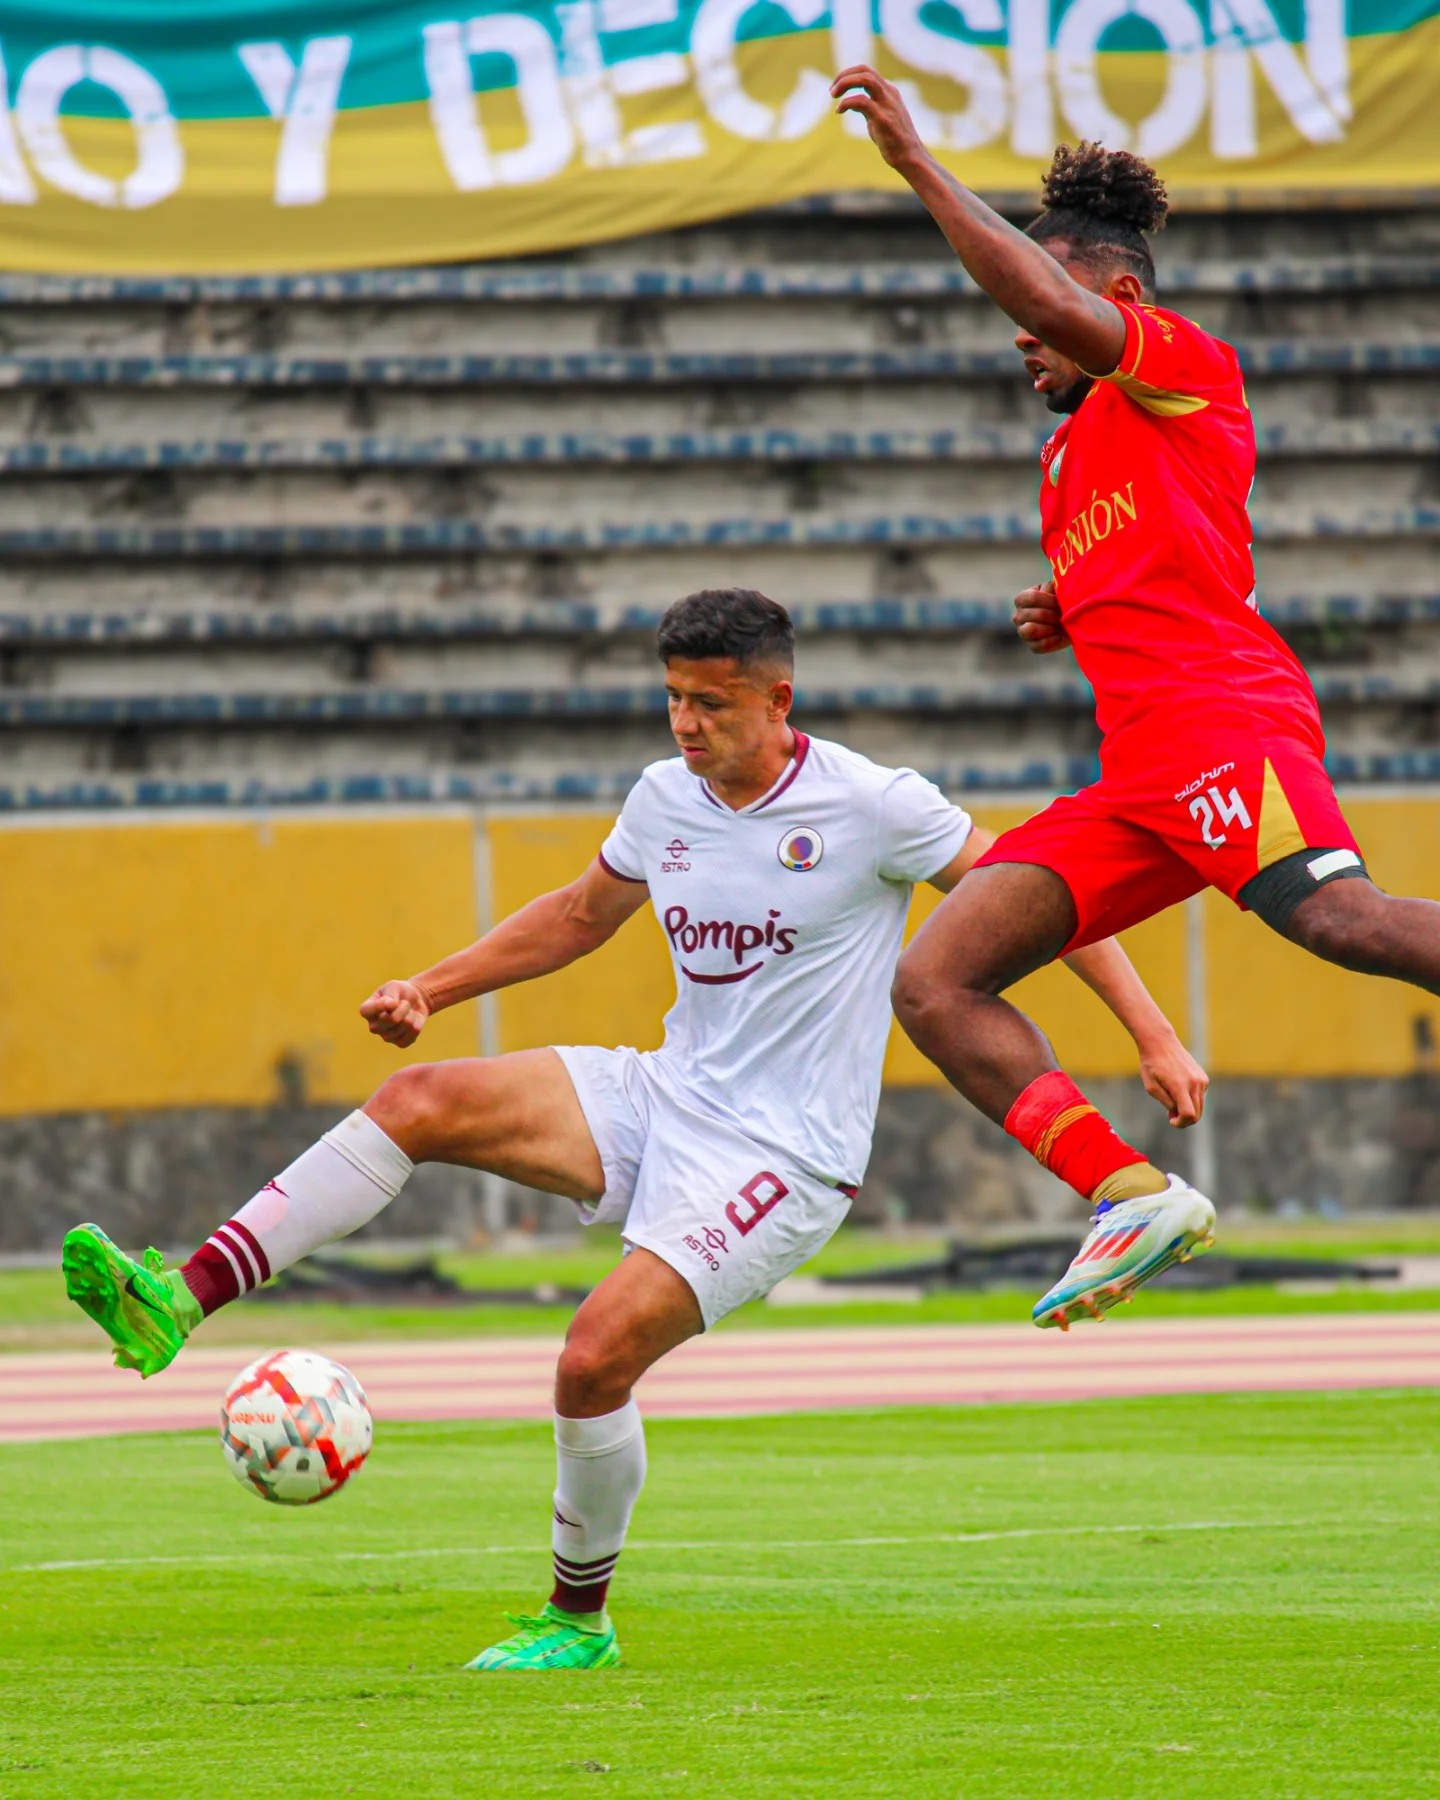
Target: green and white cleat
1129, 1244
146, 1310
555, 1640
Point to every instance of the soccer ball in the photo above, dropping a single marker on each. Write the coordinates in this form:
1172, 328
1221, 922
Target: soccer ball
295, 1427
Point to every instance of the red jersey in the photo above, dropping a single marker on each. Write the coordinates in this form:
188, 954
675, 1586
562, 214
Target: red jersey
1144, 521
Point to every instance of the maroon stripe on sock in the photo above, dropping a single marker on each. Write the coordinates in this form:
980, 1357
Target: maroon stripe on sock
226, 1239
262, 1262
581, 1587
210, 1278
583, 1572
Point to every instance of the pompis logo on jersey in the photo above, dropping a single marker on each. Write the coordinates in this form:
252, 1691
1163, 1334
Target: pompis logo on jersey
688, 936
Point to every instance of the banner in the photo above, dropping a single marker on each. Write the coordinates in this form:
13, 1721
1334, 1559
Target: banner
168, 136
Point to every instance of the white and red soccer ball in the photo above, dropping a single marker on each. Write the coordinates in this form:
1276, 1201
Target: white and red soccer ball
295, 1427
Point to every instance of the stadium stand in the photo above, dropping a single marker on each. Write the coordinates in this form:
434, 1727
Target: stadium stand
403, 535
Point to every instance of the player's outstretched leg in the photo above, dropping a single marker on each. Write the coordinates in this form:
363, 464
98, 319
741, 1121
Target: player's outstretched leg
334, 1188
640, 1311
516, 1115
1003, 922
1351, 922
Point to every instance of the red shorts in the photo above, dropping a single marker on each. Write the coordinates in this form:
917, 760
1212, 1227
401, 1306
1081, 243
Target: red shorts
1176, 811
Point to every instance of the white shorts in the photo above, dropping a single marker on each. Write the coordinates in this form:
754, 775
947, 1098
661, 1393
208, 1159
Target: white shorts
731, 1216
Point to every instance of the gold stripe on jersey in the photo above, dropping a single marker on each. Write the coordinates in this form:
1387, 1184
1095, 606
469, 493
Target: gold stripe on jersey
1164, 403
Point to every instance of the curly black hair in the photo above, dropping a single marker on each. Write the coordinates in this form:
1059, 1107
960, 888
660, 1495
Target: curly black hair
1102, 203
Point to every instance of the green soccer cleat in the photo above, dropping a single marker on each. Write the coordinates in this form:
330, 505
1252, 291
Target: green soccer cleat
555, 1640
147, 1311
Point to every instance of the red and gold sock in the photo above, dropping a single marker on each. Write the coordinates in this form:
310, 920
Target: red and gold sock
1065, 1134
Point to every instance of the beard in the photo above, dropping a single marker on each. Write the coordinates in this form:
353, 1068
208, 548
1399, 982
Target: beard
1068, 400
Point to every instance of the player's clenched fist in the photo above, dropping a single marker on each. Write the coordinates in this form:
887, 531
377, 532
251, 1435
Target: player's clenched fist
1173, 1077
879, 103
397, 1012
1037, 619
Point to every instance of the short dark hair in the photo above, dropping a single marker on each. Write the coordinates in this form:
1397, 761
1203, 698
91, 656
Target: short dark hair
736, 622
1103, 203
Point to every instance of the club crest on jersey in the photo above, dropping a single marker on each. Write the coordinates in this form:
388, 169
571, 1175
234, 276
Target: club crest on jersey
802, 849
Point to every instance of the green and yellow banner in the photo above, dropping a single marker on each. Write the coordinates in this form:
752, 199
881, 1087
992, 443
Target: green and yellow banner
149, 136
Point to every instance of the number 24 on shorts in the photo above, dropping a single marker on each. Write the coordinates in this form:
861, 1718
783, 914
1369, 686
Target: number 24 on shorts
1209, 808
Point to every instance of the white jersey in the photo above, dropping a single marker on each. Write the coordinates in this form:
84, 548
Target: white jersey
784, 922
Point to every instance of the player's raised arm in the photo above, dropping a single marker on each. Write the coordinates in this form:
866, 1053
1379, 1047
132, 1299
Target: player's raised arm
1021, 278
556, 929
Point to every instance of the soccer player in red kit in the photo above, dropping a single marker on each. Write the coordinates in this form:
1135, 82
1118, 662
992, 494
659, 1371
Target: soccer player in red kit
1212, 770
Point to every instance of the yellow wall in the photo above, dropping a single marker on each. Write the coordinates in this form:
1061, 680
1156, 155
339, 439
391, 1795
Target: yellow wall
1273, 1010
177, 963
617, 996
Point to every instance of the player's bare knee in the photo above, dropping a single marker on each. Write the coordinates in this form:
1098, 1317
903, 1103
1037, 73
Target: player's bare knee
590, 1376
411, 1108
924, 997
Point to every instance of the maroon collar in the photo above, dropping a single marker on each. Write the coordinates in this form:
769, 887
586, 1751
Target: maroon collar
802, 750
797, 762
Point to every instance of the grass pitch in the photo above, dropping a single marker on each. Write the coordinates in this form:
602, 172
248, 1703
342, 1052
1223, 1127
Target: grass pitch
1232, 1599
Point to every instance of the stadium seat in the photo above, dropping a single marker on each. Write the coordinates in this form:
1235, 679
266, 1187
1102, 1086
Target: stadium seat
402, 534
646, 368
977, 443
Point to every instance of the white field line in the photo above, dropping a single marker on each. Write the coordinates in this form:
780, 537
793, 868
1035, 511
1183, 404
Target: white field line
659, 1547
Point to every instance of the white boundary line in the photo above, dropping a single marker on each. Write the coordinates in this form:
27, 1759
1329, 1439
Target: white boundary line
659, 1547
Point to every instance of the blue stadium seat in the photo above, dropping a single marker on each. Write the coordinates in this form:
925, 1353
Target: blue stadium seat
572, 281
1036, 776
376, 706
442, 537
582, 618
975, 443
172, 438
1056, 692
618, 367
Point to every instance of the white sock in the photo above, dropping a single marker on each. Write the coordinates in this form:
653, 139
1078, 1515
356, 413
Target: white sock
334, 1188
601, 1465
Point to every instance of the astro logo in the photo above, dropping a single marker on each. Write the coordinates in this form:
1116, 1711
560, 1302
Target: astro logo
675, 853
802, 849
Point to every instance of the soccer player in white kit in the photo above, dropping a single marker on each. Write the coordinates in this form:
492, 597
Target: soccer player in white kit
780, 868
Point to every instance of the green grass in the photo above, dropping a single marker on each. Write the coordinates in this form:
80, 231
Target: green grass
35, 1315
1221, 1599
